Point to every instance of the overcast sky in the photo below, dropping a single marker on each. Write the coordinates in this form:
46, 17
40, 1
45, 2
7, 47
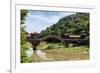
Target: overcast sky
40, 20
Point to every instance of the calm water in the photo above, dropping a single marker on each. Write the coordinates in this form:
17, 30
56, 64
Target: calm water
39, 53
29, 52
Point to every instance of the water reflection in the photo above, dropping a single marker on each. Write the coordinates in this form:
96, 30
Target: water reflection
39, 53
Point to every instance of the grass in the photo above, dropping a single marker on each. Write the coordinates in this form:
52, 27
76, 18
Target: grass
57, 52
45, 45
61, 55
74, 35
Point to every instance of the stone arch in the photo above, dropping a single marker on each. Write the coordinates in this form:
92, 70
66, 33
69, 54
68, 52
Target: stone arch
58, 37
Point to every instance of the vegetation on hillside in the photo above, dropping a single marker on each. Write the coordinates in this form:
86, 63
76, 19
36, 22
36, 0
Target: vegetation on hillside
73, 24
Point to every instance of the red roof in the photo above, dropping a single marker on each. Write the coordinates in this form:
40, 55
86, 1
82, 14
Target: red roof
34, 33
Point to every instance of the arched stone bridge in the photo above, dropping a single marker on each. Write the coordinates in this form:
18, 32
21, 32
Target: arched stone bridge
65, 39
57, 37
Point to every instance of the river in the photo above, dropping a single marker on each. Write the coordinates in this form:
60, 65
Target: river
39, 53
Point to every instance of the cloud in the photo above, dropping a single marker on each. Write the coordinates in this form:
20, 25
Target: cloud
39, 20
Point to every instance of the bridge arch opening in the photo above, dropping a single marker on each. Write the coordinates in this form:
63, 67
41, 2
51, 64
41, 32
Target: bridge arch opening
54, 38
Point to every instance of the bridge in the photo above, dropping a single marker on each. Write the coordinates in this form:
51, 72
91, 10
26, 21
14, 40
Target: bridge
35, 39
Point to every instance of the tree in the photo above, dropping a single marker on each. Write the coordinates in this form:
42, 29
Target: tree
24, 46
75, 23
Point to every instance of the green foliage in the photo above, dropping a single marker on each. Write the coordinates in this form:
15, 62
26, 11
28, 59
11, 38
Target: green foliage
24, 58
23, 15
77, 49
58, 46
74, 23
50, 46
24, 46
45, 45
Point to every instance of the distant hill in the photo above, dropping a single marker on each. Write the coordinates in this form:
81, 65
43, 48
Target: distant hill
73, 24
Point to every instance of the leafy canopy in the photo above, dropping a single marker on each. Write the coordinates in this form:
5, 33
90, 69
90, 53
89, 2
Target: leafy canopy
74, 24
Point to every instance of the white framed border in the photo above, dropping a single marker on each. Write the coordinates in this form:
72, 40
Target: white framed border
16, 66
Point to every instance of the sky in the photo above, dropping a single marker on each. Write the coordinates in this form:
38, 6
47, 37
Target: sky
36, 21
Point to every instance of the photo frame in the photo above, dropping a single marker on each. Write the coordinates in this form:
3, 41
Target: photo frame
17, 66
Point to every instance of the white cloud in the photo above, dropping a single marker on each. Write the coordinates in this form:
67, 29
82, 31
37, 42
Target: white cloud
39, 20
